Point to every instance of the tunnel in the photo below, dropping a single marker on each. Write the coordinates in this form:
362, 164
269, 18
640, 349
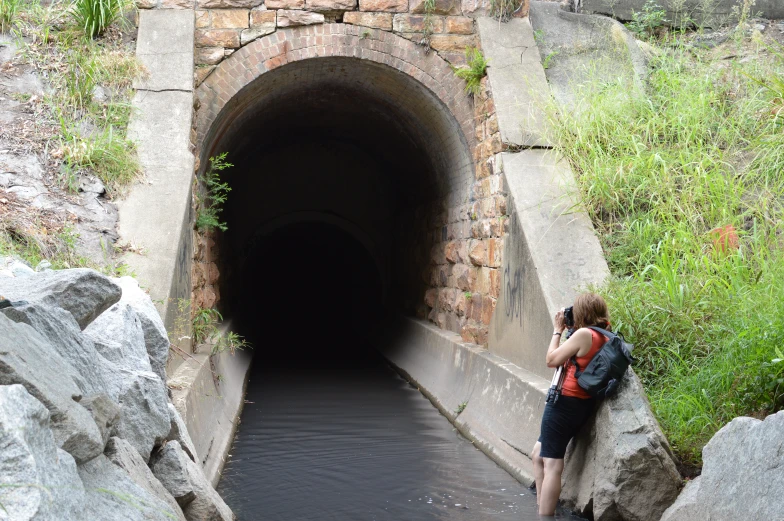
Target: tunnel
342, 171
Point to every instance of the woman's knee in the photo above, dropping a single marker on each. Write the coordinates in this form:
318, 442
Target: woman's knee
537, 459
553, 465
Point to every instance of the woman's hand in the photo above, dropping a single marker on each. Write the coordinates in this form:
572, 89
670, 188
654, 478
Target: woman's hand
558, 322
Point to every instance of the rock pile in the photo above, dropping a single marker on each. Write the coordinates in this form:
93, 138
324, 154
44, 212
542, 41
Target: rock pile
86, 427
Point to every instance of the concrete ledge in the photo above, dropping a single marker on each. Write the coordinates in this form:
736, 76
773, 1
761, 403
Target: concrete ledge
209, 394
550, 253
504, 402
155, 216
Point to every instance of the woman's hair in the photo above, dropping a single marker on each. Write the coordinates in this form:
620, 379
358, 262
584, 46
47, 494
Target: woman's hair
590, 309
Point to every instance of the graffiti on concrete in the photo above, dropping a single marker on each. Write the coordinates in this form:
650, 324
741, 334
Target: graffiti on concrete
513, 295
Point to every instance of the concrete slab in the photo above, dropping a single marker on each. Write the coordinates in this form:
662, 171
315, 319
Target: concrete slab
161, 129
517, 79
211, 406
165, 48
550, 253
504, 403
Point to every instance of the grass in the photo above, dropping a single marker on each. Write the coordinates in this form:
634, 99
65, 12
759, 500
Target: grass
503, 10
91, 87
662, 173
8, 10
474, 72
95, 16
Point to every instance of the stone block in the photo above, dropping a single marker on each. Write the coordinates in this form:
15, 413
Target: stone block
482, 283
146, 4
495, 249
209, 55
230, 19
475, 8
227, 38
202, 19
495, 283
201, 73
285, 4
459, 25
292, 18
452, 42
477, 252
226, 4
390, 6
262, 18
321, 6
415, 23
374, 20
466, 277
177, 4
441, 7
247, 36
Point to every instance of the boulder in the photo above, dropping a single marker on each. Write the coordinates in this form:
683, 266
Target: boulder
84, 293
38, 481
169, 465
27, 359
742, 475
122, 454
179, 433
118, 337
144, 415
620, 466
156, 339
112, 494
207, 505
60, 329
105, 413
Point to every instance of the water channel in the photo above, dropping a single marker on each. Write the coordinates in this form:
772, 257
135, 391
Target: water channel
358, 443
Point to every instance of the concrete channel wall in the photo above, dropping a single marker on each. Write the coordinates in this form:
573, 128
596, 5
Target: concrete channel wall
156, 219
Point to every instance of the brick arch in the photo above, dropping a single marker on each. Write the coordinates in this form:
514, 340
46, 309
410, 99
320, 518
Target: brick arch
329, 40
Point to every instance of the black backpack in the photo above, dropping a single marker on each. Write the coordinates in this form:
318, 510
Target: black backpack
604, 372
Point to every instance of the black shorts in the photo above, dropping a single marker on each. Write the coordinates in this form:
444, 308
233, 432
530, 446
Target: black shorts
561, 422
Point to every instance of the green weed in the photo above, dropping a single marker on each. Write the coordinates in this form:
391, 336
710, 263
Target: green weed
460, 408
95, 16
217, 192
231, 342
8, 9
685, 186
503, 10
645, 22
474, 72
205, 325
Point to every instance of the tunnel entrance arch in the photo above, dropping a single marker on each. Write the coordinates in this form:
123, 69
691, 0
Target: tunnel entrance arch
367, 127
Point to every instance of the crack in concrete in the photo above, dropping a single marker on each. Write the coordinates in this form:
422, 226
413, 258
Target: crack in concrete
165, 90
524, 453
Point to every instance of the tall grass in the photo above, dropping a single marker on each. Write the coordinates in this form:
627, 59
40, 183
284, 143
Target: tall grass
8, 10
95, 16
662, 172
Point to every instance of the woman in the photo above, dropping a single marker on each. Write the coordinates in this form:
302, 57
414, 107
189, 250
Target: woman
561, 421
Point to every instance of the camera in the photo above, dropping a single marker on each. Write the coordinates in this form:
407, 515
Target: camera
569, 317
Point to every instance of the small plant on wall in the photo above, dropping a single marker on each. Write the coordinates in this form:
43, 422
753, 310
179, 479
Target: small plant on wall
217, 192
427, 30
474, 71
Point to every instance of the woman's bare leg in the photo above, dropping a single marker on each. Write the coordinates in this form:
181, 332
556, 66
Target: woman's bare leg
551, 486
538, 469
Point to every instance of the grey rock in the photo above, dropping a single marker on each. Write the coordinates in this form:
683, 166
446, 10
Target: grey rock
118, 337
144, 416
207, 505
104, 411
62, 332
122, 454
156, 339
21, 270
170, 466
27, 359
689, 12
82, 292
742, 475
44, 265
578, 48
179, 433
111, 494
51, 489
620, 466
6, 273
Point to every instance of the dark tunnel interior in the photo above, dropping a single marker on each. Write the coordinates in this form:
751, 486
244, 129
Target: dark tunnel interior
338, 171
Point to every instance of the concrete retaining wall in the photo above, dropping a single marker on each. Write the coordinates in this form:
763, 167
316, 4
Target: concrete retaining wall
504, 403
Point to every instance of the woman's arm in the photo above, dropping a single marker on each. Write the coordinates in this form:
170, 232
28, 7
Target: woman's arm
579, 343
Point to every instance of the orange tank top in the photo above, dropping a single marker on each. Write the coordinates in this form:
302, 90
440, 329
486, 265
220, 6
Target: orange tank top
570, 385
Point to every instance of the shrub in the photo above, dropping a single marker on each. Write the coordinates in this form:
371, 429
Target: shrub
474, 72
504, 9
95, 16
217, 192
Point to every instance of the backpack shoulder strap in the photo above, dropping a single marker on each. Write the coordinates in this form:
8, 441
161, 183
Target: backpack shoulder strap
609, 334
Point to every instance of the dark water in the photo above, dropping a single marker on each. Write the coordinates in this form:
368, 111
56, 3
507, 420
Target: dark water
330, 442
